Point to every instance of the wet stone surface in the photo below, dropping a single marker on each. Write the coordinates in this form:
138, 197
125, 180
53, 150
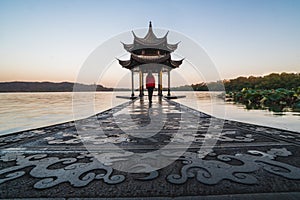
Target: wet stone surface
208, 156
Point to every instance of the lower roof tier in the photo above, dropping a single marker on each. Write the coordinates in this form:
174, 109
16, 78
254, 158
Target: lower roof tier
133, 63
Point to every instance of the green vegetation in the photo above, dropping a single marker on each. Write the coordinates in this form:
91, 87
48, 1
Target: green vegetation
277, 100
287, 81
212, 86
275, 92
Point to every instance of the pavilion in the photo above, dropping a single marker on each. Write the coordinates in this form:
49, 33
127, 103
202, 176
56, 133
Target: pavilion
150, 54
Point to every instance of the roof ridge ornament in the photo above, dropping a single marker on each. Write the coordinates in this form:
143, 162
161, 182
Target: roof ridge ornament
167, 33
150, 24
133, 33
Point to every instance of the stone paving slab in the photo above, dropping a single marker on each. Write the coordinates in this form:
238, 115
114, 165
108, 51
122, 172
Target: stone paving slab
261, 196
224, 159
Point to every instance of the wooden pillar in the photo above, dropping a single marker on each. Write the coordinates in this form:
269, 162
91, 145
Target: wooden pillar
160, 83
169, 83
132, 84
141, 83
161, 86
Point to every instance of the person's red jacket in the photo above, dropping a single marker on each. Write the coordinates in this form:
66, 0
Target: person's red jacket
150, 81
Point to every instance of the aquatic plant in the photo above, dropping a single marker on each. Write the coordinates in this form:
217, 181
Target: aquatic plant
276, 100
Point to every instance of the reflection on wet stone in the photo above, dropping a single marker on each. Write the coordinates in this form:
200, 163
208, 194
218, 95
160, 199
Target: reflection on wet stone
242, 154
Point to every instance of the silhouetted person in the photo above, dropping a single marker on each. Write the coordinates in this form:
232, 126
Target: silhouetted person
150, 85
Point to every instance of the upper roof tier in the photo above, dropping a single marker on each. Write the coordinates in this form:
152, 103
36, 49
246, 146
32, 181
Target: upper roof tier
150, 41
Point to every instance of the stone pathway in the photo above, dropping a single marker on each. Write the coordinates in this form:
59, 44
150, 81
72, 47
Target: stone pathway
163, 150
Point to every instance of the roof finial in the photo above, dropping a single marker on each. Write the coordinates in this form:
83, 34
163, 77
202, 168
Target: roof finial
150, 24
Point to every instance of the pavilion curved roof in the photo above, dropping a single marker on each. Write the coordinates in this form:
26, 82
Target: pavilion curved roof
150, 41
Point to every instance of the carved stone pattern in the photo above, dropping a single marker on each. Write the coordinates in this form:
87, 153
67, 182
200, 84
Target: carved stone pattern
78, 174
211, 172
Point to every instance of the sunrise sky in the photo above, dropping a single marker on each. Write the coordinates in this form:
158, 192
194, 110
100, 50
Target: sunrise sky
50, 40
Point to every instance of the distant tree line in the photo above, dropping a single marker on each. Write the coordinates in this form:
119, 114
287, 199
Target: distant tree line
211, 86
271, 81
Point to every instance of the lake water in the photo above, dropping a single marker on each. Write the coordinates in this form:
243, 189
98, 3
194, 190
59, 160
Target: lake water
22, 111
209, 102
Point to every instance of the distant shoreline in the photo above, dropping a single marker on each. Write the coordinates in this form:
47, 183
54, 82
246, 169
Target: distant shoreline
271, 81
21, 86
17, 86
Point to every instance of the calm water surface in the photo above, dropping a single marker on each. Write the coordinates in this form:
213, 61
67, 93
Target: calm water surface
208, 102
21, 111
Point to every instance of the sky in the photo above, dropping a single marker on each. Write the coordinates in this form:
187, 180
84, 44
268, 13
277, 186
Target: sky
50, 40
